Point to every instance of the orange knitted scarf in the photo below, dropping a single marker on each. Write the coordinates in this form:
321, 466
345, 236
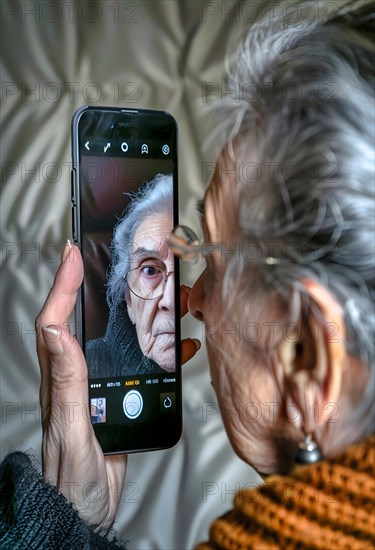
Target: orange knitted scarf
328, 505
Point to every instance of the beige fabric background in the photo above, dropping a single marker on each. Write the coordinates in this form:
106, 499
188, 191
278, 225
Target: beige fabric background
57, 56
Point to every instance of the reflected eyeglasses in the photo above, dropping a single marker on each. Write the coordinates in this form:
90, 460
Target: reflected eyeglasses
147, 281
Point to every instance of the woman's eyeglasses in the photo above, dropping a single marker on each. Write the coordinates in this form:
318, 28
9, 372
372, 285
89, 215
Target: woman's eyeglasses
185, 244
148, 281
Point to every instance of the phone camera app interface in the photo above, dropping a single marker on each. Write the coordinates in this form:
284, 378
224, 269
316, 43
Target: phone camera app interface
127, 210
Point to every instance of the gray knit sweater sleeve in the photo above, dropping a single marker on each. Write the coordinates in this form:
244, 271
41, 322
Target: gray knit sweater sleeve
34, 515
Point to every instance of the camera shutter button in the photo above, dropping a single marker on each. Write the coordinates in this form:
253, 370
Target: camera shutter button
132, 404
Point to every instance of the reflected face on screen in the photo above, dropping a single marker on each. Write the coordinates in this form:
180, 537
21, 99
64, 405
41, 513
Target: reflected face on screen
150, 297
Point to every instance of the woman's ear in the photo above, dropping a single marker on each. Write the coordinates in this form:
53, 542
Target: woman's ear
313, 359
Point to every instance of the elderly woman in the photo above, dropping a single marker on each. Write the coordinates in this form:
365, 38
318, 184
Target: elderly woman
287, 296
140, 335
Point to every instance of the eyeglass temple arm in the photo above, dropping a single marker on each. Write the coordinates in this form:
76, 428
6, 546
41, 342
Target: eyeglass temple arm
177, 245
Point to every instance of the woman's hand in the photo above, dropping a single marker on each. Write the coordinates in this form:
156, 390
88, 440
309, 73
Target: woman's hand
72, 457
189, 346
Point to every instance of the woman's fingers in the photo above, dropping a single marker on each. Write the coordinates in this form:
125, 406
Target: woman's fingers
189, 347
184, 297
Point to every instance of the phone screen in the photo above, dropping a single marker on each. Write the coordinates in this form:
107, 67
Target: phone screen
124, 196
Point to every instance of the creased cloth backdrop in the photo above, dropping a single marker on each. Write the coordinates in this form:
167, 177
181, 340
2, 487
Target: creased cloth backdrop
55, 57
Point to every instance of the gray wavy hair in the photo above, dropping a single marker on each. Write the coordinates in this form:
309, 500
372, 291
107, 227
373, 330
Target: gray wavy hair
302, 132
155, 197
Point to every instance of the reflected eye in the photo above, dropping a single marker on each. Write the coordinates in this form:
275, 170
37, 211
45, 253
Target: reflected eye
151, 275
148, 280
150, 270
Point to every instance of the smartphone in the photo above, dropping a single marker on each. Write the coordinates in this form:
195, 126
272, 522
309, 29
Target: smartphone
124, 204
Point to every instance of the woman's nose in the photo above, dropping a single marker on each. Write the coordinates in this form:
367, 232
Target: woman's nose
196, 298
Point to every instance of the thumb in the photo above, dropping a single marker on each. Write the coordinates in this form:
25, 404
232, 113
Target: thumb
68, 369
61, 360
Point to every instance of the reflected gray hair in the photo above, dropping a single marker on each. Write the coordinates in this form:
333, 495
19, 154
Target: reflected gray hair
155, 197
302, 132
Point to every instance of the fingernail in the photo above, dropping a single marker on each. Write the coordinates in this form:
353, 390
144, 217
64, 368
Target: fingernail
197, 343
66, 250
52, 339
